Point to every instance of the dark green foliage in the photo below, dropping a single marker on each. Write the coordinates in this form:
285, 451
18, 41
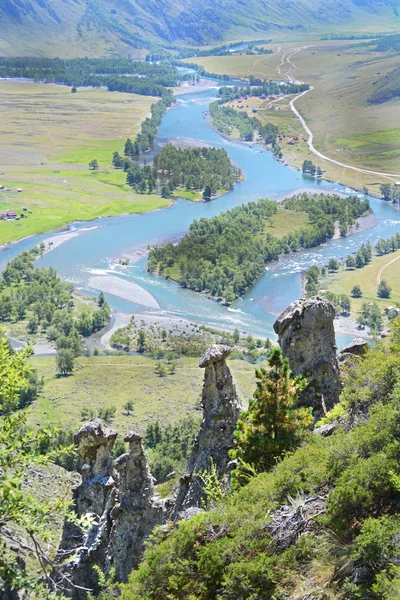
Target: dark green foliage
356, 292
222, 255
192, 168
48, 303
386, 246
65, 361
225, 255
271, 426
371, 316
169, 447
384, 289
148, 130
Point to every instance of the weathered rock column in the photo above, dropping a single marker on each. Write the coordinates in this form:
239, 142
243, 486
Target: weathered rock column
307, 338
95, 497
221, 411
137, 511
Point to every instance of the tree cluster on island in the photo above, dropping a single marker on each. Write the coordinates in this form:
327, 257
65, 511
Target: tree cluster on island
225, 255
226, 119
194, 169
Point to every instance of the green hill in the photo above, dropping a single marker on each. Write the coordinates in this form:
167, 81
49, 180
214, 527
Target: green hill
79, 27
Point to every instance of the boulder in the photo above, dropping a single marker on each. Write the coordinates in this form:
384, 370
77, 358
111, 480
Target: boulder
358, 347
307, 337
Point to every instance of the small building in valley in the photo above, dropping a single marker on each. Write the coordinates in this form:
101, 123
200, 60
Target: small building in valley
11, 214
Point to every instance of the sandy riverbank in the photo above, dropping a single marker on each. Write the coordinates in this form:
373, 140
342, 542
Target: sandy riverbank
126, 290
55, 241
201, 86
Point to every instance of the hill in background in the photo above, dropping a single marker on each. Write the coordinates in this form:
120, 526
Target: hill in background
101, 27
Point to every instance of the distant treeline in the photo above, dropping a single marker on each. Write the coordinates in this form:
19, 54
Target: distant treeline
259, 88
224, 50
148, 130
225, 255
117, 74
208, 169
390, 42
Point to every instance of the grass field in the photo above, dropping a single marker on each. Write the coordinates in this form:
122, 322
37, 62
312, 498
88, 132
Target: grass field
104, 381
367, 279
48, 137
286, 221
237, 65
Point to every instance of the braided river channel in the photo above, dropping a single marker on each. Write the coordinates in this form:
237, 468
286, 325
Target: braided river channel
99, 244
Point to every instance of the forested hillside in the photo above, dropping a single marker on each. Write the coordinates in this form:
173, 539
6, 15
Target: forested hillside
79, 27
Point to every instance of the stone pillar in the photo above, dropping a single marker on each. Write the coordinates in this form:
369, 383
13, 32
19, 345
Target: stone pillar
221, 411
138, 509
307, 338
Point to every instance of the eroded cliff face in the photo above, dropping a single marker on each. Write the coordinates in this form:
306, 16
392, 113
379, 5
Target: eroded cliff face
307, 338
221, 411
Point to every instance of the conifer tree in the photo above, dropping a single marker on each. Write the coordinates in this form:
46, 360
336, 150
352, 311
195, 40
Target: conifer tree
272, 425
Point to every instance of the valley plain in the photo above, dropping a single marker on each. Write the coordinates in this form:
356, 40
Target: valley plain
49, 136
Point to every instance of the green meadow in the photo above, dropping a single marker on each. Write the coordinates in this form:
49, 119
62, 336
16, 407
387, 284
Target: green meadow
48, 138
103, 381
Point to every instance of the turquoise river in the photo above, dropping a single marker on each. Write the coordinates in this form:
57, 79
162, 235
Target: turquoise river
99, 244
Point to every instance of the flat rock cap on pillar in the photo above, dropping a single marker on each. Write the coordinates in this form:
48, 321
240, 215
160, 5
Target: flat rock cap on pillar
215, 353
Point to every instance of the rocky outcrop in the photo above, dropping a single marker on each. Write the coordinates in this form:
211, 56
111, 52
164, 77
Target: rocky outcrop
137, 511
307, 338
120, 499
221, 410
120, 496
358, 347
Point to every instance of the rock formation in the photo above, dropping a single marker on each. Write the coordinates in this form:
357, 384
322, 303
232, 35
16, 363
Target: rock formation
137, 511
221, 410
358, 347
119, 496
307, 338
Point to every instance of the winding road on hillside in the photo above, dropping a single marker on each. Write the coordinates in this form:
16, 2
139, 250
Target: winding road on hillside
286, 61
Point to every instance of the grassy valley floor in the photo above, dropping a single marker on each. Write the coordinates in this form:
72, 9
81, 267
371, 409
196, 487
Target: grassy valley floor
104, 381
49, 135
386, 267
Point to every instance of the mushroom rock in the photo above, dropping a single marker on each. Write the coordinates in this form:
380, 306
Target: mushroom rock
119, 496
221, 411
307, 337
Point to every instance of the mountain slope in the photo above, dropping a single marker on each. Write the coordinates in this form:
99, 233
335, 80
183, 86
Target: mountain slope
76, 27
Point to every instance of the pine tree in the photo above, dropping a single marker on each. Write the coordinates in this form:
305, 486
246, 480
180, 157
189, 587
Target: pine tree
272, 425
